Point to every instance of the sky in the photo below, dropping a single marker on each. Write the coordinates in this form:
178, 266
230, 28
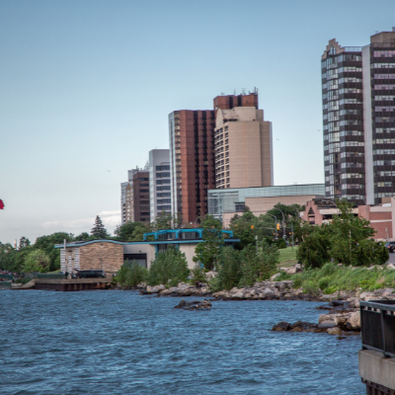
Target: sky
86, 88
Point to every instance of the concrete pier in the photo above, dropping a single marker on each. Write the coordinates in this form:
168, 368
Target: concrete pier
377, 372
73, 285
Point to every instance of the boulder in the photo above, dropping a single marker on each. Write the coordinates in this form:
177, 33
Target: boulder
327, 324
195, 305
282, 326
237, 295
334, 331
269, 294
355, 320
272, 278
247, 295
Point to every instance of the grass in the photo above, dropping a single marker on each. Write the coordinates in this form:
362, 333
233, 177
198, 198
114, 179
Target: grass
287, 257
332, 278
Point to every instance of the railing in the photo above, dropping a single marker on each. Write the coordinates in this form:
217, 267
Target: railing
51, 276
6, 276
5, 284
378, 326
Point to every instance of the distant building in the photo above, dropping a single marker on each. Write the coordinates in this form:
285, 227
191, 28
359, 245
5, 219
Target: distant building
127, 196
109, 255
159, 180
358, 92
141, 203
223, 204
192, 155
321, 211
243, 149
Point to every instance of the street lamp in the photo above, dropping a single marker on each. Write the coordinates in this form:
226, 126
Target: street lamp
283, 221
275, 226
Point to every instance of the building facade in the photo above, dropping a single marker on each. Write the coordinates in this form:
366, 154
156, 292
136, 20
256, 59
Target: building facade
243, 149
191, 162
223, 204
141, 197
192, 155
358, 89
159, 181
127, 196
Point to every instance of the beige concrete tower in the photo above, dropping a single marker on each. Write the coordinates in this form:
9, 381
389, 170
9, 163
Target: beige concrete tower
243, 149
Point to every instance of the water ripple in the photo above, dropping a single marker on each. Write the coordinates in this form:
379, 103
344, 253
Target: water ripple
112, 342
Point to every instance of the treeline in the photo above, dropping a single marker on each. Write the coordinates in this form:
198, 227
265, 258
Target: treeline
257, 261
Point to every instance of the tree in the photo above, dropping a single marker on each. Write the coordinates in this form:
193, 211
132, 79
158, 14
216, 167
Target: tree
347, 240
84, 236
24, 242
47, 244
207, 251
131, 274
258, 264
165, 221
131, 231
36, 261
169, 267
99, 231
229, 269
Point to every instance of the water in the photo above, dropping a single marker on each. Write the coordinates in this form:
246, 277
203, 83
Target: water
118, 342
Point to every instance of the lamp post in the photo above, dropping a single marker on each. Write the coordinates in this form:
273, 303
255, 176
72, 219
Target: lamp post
283, 221
275, 226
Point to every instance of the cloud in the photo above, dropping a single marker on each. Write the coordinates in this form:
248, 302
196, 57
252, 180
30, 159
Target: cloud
110, 220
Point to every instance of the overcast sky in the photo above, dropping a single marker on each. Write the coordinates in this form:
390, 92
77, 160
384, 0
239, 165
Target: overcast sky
86, 88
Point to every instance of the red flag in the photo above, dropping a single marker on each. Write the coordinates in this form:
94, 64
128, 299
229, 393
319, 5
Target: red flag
1, 205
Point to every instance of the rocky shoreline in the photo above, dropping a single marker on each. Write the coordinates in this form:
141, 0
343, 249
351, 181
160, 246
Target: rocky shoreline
342, 317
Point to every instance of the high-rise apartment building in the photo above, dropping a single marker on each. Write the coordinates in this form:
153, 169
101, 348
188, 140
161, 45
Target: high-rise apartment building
358, 88
159, 180
128, 196
141, 201
243, 149
191, 162
192, 155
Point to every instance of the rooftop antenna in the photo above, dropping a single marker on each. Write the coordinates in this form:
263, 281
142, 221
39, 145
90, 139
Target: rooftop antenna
234, 92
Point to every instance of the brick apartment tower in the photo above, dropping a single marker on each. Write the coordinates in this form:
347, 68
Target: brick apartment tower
192, 155
141, 198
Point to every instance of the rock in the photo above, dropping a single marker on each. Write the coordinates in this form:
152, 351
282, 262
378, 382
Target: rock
269, 294
388, 292
195, 305
367, 296
247, 295
282, 326
211, 274
355, 320
327, 324
165, 292
237, 295
334, 331
272, 278
390, 266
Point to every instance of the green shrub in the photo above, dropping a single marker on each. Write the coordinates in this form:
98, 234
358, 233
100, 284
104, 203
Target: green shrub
330, 290
198, 274
131, 274
310, 287
36, 261
229, 269
258, 264
323, 283
281, 244
169, 268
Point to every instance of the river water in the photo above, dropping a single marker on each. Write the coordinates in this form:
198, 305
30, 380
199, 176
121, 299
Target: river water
118, 342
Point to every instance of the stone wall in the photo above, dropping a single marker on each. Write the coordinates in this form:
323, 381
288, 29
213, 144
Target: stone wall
101, 255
